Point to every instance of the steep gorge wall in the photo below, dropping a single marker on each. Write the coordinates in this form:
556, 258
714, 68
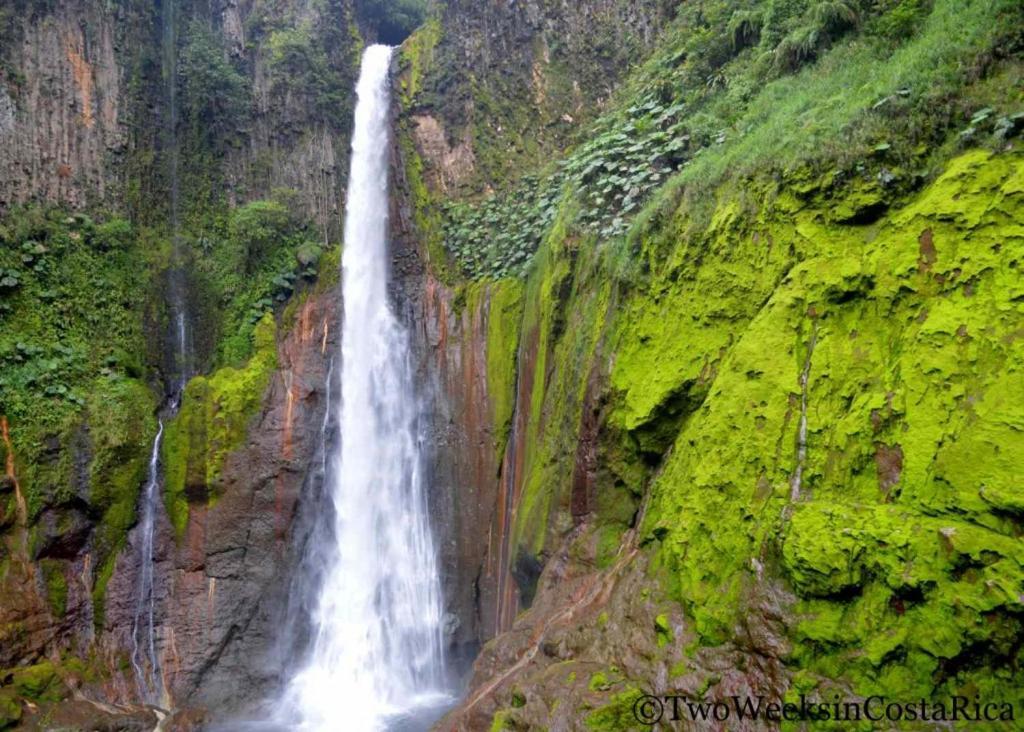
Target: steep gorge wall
464, 83
769, 557
723, 453
68, 113
86, 138
84, 114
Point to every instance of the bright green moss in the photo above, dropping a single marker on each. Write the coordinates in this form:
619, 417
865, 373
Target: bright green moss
663, 629
501, 721
504, 317
37, 683
911, 428
617, 715
56, 586
214, 416
329, 269
599, 682
564, 319
122, 426
99, 590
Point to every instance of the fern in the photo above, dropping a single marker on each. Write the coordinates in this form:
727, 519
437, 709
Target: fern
798, 48
745, 28
834, 16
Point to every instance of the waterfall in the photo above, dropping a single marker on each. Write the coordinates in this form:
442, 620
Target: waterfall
145, 659
145, 662
376, 657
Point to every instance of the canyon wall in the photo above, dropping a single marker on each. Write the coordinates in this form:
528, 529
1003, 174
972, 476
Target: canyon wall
719, 452
740, 420
91, 152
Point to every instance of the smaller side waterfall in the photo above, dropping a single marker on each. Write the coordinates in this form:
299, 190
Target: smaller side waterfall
145, 661
145, 655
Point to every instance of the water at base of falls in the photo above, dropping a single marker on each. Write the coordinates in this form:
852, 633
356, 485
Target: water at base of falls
376, 656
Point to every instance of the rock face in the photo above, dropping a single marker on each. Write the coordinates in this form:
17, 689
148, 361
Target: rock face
86, 126
65, 116
529, 73
84, 104
221, 582
724, 456
468, 338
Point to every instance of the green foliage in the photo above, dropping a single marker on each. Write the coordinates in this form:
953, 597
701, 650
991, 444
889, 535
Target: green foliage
299, 65
56, 586
72, 295
618, 168
257, 227
215, 95
709, 104
72, 349
497, 237
38, 683
393, 20
250, 263
617, 715
113, 234
710, 101
899, 20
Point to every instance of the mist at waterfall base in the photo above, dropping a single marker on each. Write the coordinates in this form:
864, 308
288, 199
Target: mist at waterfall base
368, 582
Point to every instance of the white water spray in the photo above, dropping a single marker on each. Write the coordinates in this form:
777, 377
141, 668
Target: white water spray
377, 653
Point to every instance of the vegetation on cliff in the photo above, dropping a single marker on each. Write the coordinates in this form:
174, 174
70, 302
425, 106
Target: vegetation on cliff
781, 269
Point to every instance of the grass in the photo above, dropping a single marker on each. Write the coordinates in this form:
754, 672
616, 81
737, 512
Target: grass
773, 86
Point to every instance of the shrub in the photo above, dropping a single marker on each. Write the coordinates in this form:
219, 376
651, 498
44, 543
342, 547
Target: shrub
113, 234
256, 227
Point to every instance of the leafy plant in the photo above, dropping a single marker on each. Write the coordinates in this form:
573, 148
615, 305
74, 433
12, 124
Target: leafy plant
497, 237
257, 226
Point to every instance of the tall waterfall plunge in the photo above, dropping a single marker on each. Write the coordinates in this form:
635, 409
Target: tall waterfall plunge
377, 652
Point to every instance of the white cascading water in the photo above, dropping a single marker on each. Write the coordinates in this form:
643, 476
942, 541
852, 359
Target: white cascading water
377, 652
144, 657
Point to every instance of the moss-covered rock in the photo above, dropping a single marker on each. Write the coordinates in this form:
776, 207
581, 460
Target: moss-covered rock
884, 525
212, 422
10, 709
504, 316
38, 683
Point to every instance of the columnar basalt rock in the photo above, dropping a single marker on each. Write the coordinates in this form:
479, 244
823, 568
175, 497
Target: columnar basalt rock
65, 112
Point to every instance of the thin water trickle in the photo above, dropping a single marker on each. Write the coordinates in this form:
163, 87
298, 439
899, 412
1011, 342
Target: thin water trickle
376, 656
145, 656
